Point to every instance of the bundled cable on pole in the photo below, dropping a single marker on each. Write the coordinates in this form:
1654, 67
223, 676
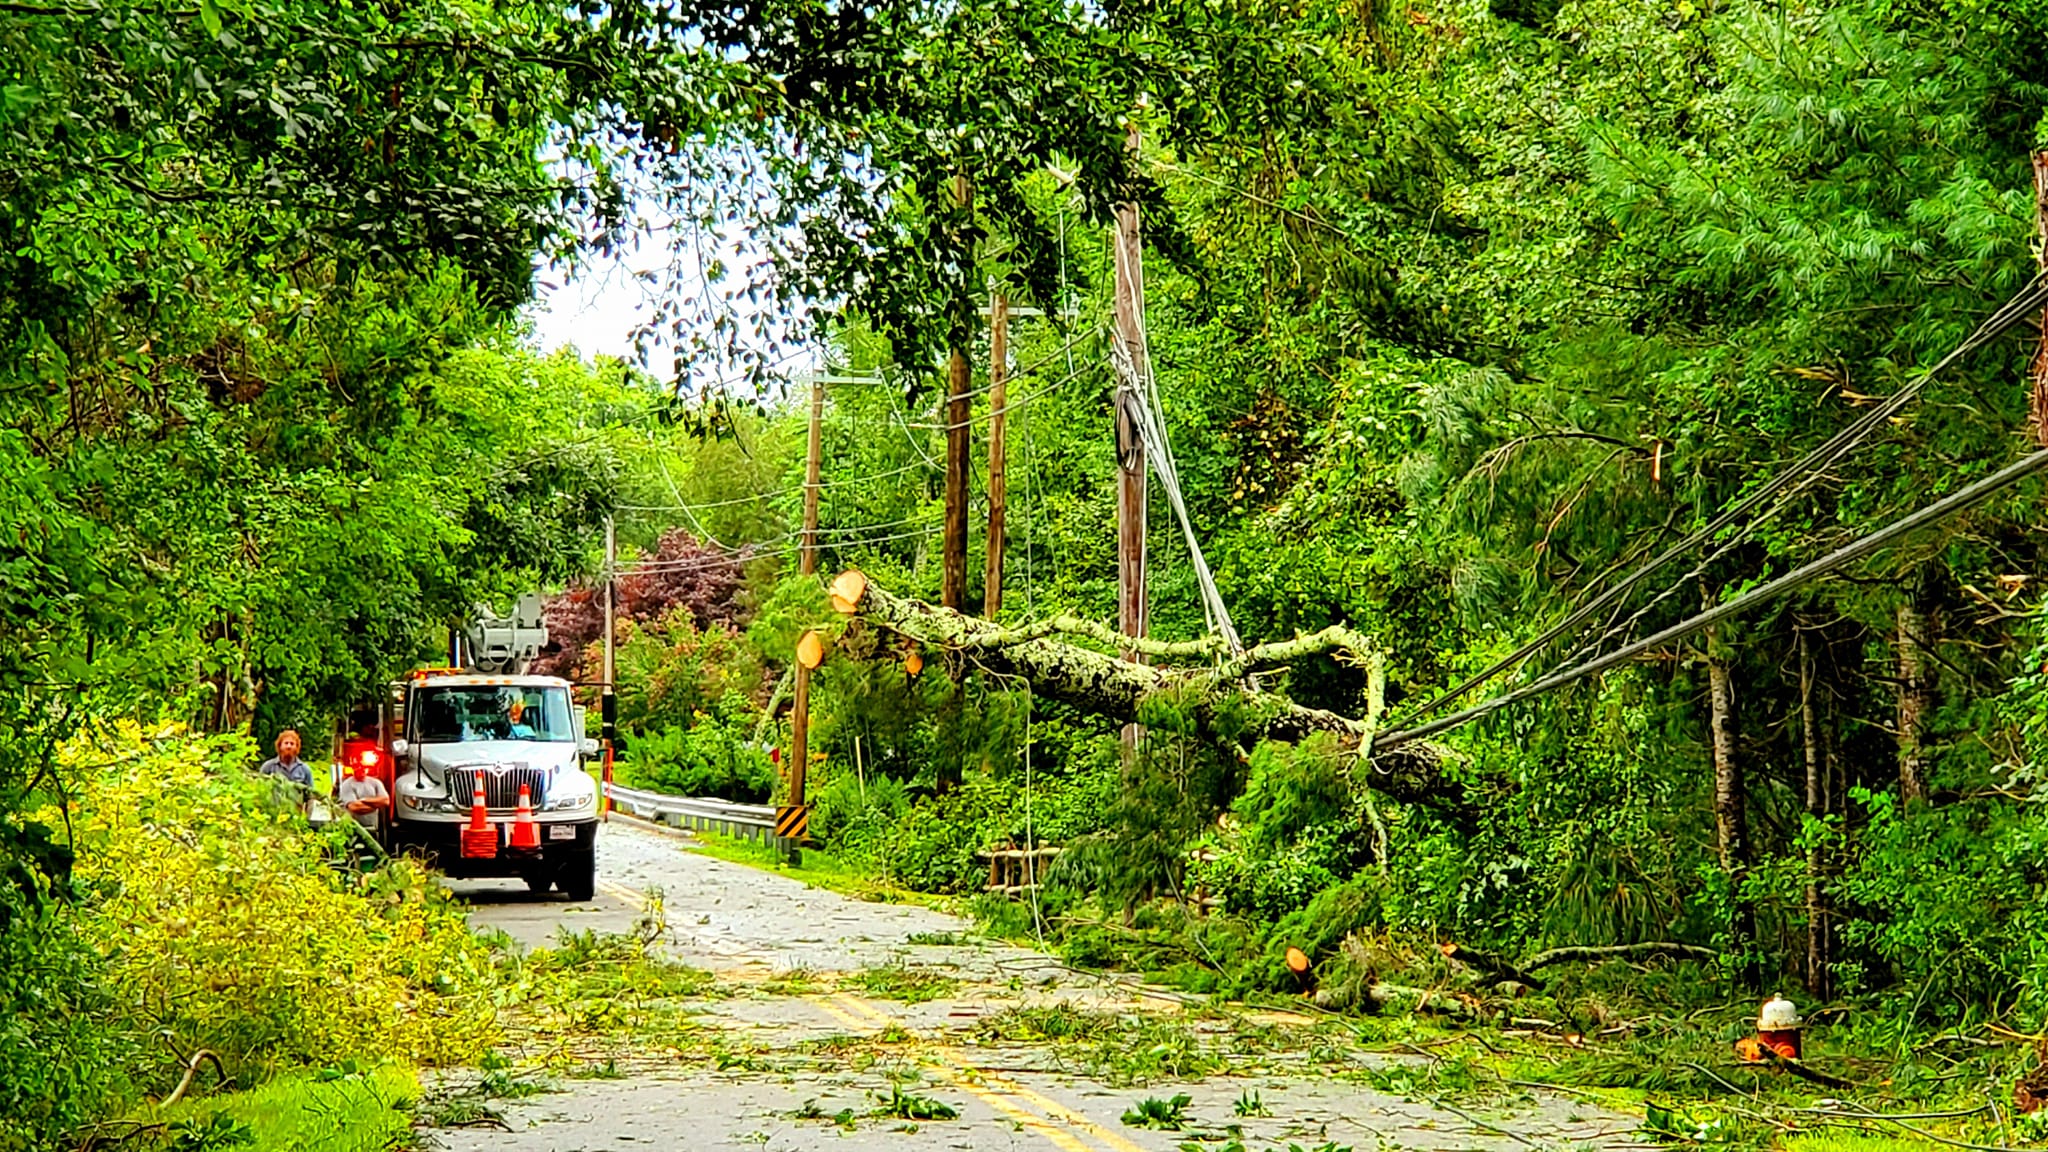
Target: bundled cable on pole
1151, 423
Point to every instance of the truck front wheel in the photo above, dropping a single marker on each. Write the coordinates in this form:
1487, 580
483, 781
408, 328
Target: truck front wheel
577, 878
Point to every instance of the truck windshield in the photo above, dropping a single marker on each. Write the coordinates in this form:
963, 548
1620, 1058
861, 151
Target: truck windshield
460, 714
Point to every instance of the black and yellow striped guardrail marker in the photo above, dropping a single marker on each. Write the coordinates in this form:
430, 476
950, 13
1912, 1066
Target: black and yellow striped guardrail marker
793, 821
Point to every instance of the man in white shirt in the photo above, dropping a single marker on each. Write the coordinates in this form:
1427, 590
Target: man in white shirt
364, 796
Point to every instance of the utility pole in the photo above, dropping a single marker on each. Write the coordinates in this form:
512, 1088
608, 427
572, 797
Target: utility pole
1130, 446
2039, 376
998, 480
1819, 803
959, 380
807, 563
608, 700
1731, 814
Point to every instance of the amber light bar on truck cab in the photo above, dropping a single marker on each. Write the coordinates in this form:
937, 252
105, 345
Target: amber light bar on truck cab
467, 674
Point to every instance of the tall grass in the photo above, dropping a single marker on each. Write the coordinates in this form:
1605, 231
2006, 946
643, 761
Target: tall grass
313, 1111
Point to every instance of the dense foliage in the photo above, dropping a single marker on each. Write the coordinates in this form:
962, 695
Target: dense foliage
1458, 313
215, 920
1480, 308
266, 426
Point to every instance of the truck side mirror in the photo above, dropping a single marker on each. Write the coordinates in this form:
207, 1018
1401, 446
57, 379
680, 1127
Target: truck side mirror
399, 749
586, 746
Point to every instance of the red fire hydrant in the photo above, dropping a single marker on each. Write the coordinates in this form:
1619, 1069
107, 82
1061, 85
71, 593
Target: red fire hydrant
1777, 1030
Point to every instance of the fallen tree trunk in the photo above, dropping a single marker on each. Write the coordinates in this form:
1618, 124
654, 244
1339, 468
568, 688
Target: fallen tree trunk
1217, 702
1643, 951
1497, 969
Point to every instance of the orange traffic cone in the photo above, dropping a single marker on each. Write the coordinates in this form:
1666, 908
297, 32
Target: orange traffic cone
525, 833
479, 838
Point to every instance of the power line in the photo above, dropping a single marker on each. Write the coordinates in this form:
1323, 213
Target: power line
1134, 367
746, 552
1312, 221
769, 495
1010, 407
2028, 301
927, 462
861, 528
1031, 369
1949, 505
902, 423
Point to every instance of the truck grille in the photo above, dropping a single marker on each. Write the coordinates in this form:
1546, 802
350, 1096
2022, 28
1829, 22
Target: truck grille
501, 786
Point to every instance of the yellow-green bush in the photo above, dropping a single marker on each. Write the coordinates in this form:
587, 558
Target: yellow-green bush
226, 926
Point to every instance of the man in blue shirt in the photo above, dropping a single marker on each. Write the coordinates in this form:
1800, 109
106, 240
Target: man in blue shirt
286, 765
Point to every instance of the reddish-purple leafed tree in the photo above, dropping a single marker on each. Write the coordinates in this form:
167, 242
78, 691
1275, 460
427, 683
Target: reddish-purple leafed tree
681, 572
685, 573
574, 619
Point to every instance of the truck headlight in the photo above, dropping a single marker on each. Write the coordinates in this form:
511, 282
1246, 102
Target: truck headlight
567, 803
427, 803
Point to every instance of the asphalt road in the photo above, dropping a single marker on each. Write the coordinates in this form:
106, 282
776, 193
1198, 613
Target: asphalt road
751, 926
729, 918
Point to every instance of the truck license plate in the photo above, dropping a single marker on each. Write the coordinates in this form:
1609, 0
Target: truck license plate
562, 832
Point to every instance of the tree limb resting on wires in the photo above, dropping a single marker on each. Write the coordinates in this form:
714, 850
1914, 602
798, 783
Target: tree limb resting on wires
1214, 697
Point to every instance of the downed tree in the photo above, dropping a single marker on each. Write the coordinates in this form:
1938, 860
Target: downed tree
1500, 970
1646, 950
1219, 700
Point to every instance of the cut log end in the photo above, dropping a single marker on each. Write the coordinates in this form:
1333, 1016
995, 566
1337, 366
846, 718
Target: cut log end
810, 650
848, 589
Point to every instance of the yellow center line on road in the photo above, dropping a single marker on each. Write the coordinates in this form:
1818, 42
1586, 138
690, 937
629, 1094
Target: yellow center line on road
961, 1069
846, 1018
864, 1008
863, 1024
1052, 1108
629, 895
862, 1017
1060, 1138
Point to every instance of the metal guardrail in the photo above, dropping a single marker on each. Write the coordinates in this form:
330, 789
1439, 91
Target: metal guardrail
742, 821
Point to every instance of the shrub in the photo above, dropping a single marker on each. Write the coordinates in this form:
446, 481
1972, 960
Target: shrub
931, 849
928, 844
849, 815
1266, 886
59, 1061
1321, 926
224, 926
1954, 901
671, 671
1298, 829
712, 757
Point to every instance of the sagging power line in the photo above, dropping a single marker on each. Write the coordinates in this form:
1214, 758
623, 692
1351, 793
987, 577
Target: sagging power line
1968, 497
2027, 302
